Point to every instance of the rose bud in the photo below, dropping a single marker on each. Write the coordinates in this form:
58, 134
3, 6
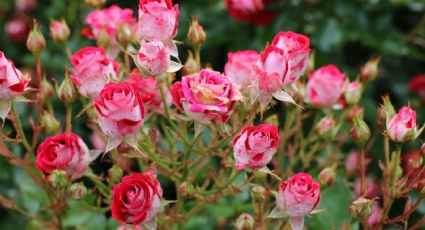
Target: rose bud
375, 216
372, 188
361, 208
91, 70
67, 91
186, 189
95, 3
353, 112
50, 123
190, 66
417, 84
353, 93
35, 40
149, 89
370, 70
47, 89
244, 222
353, 161
137, 199
254, 11
239, 67
255, 145
77, 191
58, 179
206, 97
196, 34
59, 30
326, 128
125, 34
158, 20
402, 127
121, 112
326, 86
327, 176
17, 29
66, 152
153, 58
298, 196
259, 193
381, 118
360, 131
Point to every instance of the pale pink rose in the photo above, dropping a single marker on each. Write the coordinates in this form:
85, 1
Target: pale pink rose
65, 152
297, 49
255, 145
149, 89
325, 86
107, 22
120, 109
239, 66
158, 20
402, 127
12, 81
372, 188
91, 70
206, 97
154, 57
375, 216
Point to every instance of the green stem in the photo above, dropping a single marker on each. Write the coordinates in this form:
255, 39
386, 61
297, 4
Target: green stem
67, 49
20, 130
229, 181
395, 165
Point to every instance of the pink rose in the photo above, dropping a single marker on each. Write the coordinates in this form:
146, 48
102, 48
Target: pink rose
239, 66
255, 145
137, 198
325, 86
149, 89
107, 22
402, 127
158, 20
375, 216
12, 81
65, 152
91, 70
297, 49
298, 196
253, 11
121, 112
206, 97
154, 57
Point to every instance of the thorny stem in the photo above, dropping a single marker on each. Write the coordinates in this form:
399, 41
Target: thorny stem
37, 129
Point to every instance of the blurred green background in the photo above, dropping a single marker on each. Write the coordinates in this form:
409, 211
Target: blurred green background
343, 32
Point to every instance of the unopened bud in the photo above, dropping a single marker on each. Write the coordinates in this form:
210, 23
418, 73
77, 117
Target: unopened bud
35, 40
360, 132
259, 193
115, 174
381, 119
58, 179
186, 189
67, 91
327, 176
196, 33
370, 70
50, 123
353, 93
59, 30
354, 111
125, 34
47, 89
77, 191
190, 66
95, 3
244, 222
387, 108
326, 128
361, 208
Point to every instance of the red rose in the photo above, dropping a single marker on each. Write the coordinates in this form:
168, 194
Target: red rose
417, 84
137, 198
253, 11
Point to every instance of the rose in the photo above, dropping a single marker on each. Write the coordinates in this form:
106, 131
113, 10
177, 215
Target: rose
154, 57
417, 84
12, 81
239, 66
255, 145
253, 11
375, 217
105, 23
325, 86
59, 30
149, 89
297, 49
206, 97
91, 70
121, 112
137, 198
158, 20
66, 152
402, 127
